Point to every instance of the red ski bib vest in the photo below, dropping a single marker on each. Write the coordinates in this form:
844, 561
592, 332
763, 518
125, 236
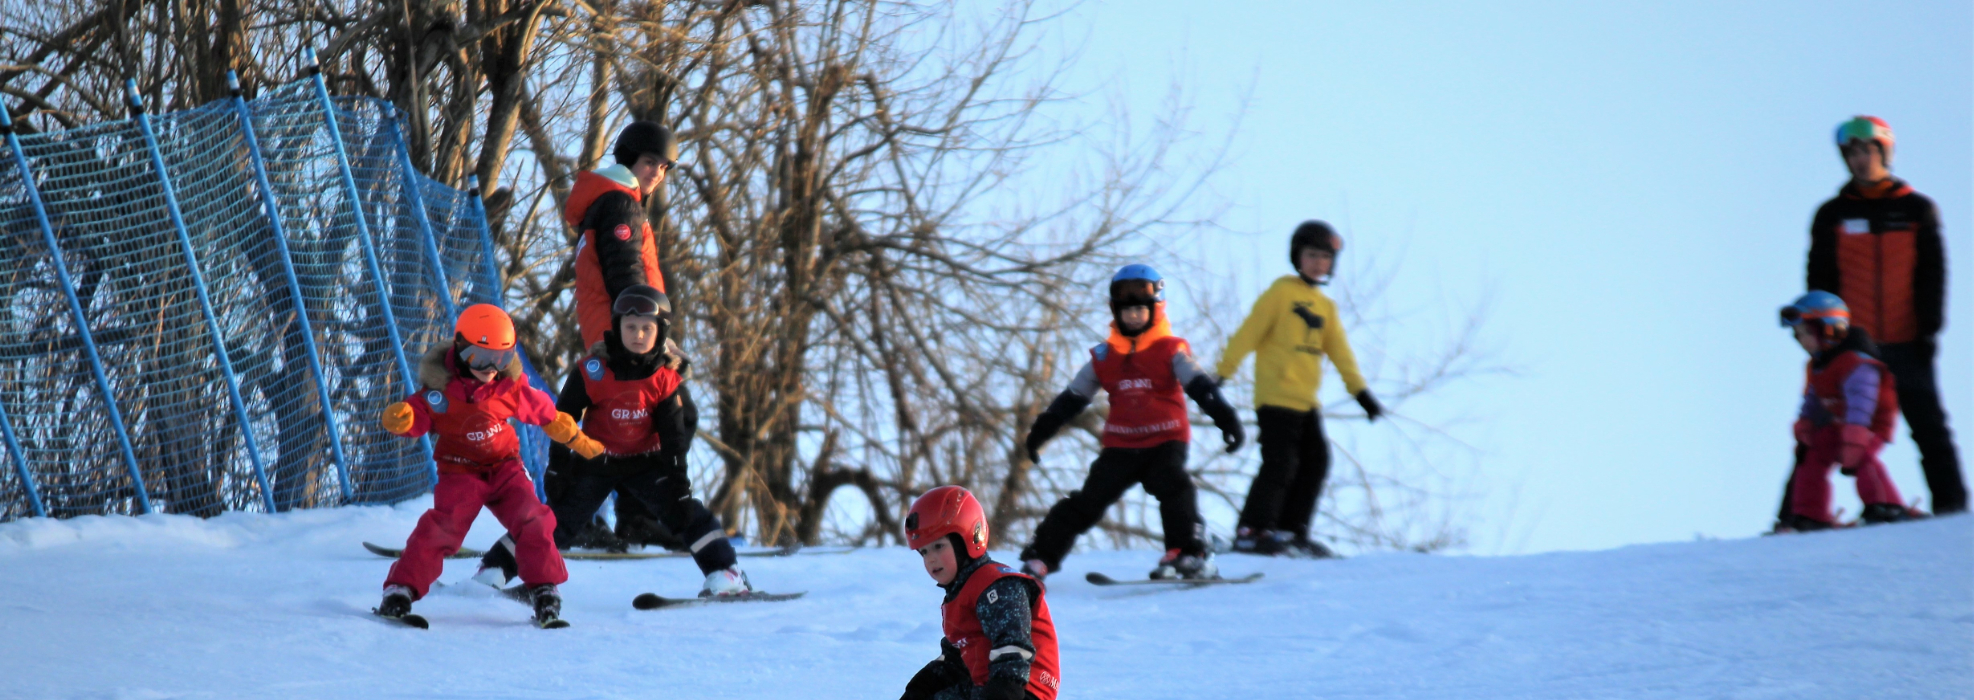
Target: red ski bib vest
964, 632
473, 436
620, 410
1828, 385
1147, 405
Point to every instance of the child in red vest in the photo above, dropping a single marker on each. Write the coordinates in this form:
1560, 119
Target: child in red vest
630, 399
472, 387
1000, 642
1148, 373
1848, 411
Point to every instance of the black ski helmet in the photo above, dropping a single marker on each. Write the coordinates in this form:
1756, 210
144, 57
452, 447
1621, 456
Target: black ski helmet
1314, 234
642, 300
642, 137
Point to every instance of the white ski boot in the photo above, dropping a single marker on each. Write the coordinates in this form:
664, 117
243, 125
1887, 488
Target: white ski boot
725, 582
491, 576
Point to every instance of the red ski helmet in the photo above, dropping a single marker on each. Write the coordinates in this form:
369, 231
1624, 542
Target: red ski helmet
947, 510
485, 325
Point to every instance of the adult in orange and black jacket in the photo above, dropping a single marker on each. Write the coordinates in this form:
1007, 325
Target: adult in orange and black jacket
617, 250
1877, 245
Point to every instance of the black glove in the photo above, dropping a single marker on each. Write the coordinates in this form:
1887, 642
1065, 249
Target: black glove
1004, 688
1206, 392
1065, 407
1370, 403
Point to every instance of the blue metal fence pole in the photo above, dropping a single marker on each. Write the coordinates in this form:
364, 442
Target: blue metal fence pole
410, 176
75, 309
498, 290
143, 120
273, 209
20, 459
370, 257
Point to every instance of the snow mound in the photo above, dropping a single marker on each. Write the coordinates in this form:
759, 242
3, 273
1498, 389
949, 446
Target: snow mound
249, 605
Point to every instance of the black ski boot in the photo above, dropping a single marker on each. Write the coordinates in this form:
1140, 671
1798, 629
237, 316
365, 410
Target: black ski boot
548, 606
1262, 542
1799, 523
397, 602
1878, 513
1176, 565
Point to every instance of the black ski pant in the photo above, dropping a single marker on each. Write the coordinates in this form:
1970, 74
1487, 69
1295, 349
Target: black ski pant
1295, 461
658, 482
1919, 401
1162, 469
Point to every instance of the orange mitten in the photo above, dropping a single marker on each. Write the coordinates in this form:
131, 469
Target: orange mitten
398, 418
562, 428
586, 446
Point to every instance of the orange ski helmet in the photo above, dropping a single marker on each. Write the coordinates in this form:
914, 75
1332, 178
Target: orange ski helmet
485, 325
947, 510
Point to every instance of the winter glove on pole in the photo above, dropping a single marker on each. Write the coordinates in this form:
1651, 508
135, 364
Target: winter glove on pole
1370, 403
1858, 443
563, 430
1065, 407
1206, 392
398, 418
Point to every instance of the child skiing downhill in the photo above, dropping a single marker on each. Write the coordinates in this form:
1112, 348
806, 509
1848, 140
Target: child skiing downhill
1849, 408
472, 386
1000, 643
629, 399
1292, 327
1148, 373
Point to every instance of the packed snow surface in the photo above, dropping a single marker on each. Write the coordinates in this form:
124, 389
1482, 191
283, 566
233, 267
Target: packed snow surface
278, 606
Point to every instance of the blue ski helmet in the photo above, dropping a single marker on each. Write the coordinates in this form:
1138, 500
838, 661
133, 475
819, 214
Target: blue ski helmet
1823, 308
1120, 296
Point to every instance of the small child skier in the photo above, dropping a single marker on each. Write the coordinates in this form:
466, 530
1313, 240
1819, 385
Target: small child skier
629, 398
1000, 643
1148, 373
472, 386
1850, 405
1292, 327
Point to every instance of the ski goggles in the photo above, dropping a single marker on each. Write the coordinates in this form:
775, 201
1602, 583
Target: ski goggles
483, 359
628, 305
1791, 316
1861, 129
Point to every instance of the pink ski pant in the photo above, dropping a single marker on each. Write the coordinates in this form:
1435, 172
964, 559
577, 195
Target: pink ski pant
507, 492
1810, 485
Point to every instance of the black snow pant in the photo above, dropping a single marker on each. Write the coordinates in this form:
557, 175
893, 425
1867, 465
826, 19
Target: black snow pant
1162, 469
1919, 401
658, 481
1295, 461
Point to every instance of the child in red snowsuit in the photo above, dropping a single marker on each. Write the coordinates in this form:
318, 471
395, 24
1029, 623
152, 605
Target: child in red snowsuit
1849, 408
1000, 643
472, 387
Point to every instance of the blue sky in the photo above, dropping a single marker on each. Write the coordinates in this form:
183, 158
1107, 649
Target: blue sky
1628, 185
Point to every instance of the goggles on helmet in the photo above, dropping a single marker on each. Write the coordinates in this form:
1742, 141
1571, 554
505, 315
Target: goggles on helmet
1861, 129
628, 305
1792, 316
484, 359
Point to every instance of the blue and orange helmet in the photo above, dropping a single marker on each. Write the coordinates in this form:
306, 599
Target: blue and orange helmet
1822, 308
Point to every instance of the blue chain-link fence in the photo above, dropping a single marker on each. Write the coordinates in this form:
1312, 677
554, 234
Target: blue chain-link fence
207, 310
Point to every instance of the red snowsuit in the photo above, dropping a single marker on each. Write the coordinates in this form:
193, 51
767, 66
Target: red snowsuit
1849, 408
960, 619
479, 463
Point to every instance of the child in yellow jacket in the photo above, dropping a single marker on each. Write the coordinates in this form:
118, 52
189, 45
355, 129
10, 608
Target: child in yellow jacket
1292, 327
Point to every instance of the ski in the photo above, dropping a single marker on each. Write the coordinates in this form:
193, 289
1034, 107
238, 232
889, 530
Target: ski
555, 624
653, 601
394, 553
1102, 580
408, 619
579, 555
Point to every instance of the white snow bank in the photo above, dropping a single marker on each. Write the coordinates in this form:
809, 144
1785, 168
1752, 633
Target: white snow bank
277, 606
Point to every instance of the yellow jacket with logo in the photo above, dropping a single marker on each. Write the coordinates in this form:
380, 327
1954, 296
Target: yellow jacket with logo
1293, 325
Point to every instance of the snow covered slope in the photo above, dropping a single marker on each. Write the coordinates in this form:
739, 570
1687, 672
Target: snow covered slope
258, 606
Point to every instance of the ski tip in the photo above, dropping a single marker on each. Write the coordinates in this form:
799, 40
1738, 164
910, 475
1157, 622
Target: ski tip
555, 624
648, 601
408, 619
1099, 579
381, 550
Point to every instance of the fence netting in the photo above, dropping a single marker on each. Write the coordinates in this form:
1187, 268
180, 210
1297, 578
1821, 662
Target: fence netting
318, 314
